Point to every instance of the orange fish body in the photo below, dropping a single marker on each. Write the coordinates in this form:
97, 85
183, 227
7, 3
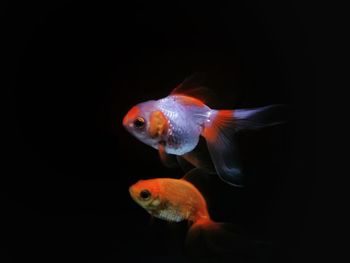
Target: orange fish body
176, 200
169, 199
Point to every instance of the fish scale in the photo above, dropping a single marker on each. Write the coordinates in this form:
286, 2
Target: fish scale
183, 124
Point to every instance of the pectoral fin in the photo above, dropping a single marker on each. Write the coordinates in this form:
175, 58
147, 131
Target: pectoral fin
184, 164
168, 160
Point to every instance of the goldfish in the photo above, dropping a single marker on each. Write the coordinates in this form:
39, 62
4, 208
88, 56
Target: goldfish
174, 124
173, 200
177, 200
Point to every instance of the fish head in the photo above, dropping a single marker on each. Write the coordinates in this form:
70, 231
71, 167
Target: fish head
137, 122
146, 193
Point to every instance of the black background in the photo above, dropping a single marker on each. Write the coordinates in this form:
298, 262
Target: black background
75, 68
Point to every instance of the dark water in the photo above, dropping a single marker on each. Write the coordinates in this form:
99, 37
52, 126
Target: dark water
76, 68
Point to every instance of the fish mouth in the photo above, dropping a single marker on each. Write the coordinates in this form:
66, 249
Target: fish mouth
126, 121
132, 192
134, 195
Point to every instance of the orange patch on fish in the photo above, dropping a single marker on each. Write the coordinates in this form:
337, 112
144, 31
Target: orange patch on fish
131, 115
223, 119
189, 101
158, 124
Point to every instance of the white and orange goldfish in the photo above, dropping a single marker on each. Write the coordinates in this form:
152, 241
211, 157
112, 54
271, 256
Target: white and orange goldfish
174, 124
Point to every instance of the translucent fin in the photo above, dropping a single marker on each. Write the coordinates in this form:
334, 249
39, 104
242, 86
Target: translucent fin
208, 241
219, 134
185, 165
200, 157
223, 151
198, 177
256, 118
168, 160
193, 87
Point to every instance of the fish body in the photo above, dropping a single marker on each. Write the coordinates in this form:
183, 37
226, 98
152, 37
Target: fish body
173, 125
176, 200
169, 199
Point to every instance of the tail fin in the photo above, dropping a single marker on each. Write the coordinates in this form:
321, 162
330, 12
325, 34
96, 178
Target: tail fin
219, 134
208, 241
256, 118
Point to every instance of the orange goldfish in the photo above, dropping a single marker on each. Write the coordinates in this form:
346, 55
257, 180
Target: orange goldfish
176, 200
173, 200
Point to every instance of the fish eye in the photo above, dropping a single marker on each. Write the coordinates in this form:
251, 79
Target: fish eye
139, 123
145, 194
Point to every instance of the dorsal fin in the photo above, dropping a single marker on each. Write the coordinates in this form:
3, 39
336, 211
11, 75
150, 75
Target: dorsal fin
193, 86
198, 177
